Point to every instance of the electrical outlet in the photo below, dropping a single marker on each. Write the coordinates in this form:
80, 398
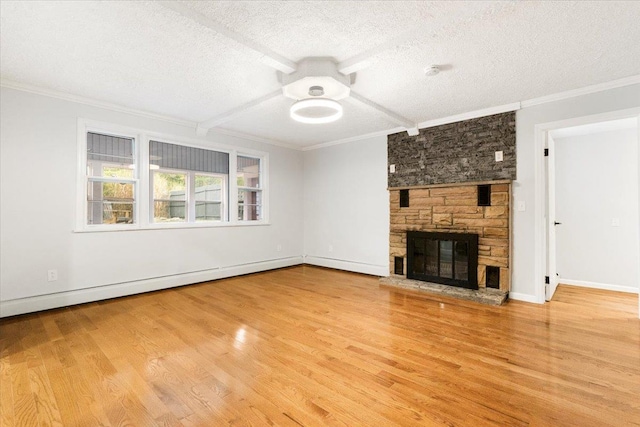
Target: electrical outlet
522, 206
279, 248
330, 248
615, 222
499, 156
52, 275
392, 168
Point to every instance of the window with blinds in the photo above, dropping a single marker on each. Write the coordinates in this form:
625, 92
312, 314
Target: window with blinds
180, 157
111, 179
129, 181
249, 189
189, 184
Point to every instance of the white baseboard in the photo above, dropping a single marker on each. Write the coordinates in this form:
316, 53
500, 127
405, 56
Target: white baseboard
524, 297
81, 296
356, 267
595, 285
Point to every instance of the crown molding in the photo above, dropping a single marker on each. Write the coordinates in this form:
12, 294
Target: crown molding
9, 84
254, 138
627, 81
93, 102
614, 84
470, 115
422, 125
355, 138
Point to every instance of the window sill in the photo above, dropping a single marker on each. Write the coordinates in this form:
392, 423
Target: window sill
174, 226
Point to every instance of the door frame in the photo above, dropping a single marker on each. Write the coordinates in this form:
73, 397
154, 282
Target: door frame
550, 219
541, 132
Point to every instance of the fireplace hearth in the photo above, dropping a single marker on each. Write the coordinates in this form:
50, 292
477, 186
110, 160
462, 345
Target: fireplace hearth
445, 258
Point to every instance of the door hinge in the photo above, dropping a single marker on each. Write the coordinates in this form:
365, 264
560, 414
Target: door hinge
546, 280
546, 152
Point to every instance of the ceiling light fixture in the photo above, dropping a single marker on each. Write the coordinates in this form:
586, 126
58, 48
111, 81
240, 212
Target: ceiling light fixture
316, 86
316, 110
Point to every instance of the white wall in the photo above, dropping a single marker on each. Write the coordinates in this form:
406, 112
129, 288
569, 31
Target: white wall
597, 181
525, 284
346, 206
38, 185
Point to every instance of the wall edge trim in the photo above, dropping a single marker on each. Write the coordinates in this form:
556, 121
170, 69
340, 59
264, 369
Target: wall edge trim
517, 296
586, 90
92, 102
627, 81
116, 290
596, 285
476, 114
353, 266
386, 132
24, 87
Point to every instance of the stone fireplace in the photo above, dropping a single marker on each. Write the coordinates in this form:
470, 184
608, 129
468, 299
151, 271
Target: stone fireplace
450, 203
454, 209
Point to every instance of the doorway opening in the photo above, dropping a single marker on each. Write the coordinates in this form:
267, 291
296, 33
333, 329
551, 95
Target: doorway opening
582, 222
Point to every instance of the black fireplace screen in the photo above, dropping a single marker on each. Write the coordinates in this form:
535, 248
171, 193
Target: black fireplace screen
446, 258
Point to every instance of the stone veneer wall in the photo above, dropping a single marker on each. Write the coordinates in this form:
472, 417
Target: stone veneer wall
454, 153
454, 209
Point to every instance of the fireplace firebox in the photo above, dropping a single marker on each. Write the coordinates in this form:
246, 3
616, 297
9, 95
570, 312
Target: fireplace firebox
445, 258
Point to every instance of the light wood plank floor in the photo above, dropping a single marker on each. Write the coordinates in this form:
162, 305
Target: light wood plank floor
314, 347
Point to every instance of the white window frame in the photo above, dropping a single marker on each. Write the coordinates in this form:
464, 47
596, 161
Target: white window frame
152, 199
190, 196
82, 207
143, 189
258, 189
224, 205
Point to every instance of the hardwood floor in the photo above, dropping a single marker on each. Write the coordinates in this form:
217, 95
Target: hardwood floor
313, 347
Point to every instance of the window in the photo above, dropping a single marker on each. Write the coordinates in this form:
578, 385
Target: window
169, 196
128, 180
111, 180
209, 197
249, 189
188, 184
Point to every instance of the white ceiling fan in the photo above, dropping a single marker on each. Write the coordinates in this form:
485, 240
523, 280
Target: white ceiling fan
316, 84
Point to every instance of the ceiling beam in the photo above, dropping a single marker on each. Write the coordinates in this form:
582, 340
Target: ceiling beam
411, 127
203, 127
355, 63
267, 56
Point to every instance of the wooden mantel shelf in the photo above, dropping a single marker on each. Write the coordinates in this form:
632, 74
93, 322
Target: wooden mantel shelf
452, 184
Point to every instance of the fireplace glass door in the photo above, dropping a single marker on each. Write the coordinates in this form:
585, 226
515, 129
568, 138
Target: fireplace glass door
446, 258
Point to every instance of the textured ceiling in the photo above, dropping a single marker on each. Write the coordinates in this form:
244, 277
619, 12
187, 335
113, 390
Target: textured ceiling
147, 56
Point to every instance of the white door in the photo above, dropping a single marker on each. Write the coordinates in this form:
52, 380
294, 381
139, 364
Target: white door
552, 222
